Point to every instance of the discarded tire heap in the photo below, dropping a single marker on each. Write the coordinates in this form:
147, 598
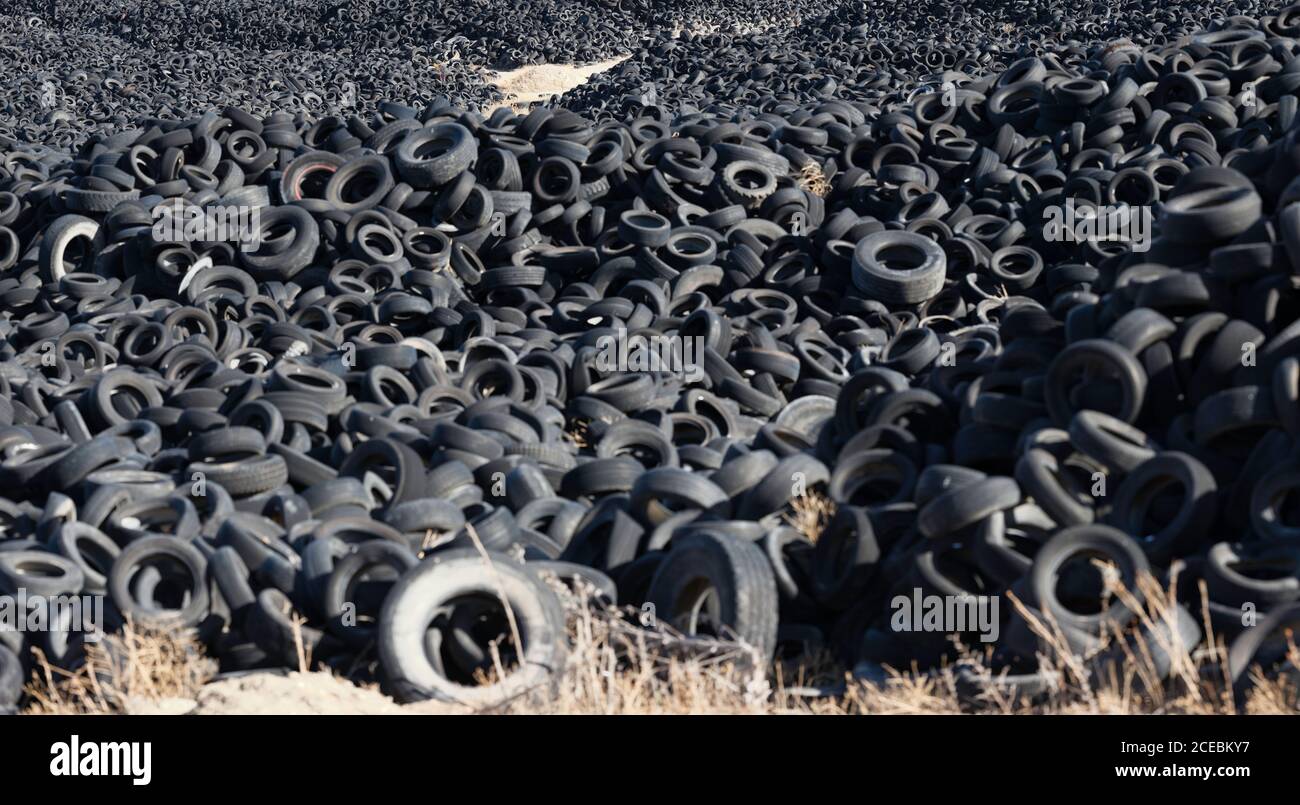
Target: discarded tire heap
57, 85
96, 67
875, 50
408, 368
493, 33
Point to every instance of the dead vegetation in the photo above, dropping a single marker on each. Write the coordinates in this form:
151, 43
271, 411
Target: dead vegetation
579, 433
617, 665
813, 179
616, 668
139, 665
538, 83
810, 514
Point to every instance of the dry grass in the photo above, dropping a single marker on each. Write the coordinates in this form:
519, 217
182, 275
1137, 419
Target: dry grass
618, 668
813, 179
579, 432
137, 665
615, 666
810, 514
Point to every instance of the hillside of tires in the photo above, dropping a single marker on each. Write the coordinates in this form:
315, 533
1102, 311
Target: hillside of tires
319, 355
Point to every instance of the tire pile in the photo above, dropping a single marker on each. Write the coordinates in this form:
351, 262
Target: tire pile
485, 32
879, 52
62, 83
70, 67
405, 371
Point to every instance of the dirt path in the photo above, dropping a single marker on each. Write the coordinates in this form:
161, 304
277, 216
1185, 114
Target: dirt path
538, 82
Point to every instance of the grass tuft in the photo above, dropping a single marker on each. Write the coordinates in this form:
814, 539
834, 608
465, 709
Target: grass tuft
813, 179
810, 514
147, 665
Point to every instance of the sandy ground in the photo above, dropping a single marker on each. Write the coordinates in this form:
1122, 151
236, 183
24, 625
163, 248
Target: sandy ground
289, 694
539, 82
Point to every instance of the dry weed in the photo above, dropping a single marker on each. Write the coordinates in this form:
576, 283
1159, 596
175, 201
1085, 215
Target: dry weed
810, 514
813, 179
579, 432
619, 666
136, 665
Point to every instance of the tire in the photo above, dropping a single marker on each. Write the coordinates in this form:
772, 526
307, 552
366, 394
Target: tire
303, 470
1265, 644
227, 444
347, 572
141, 554
966, 505
920, 279
91, 550
1040, 477
845, 558
1187, 529
39, 573
434, 156
283, 264
59, 235
269, 627
729, 577
777, 487
679, 489
604, 590
73, 466
431, 587
410, 481
245, 477
1115, 546
1111, 442
1090, 354
231, 577
1227, 581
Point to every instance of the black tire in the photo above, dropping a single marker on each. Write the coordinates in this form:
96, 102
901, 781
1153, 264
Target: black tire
778, 487
91, 549
1228, 569
728, 577
660, 492
966, 505
347, 575
923, 267
1087, 540
1111, 442
845, 558
231, 577
245, 477
434, 156
1091, 354
1187, 528
432, 587
149, 552
604, 590
39, 573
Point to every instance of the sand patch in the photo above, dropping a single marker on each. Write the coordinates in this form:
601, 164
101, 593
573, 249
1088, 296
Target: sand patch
538, 82
294, 693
